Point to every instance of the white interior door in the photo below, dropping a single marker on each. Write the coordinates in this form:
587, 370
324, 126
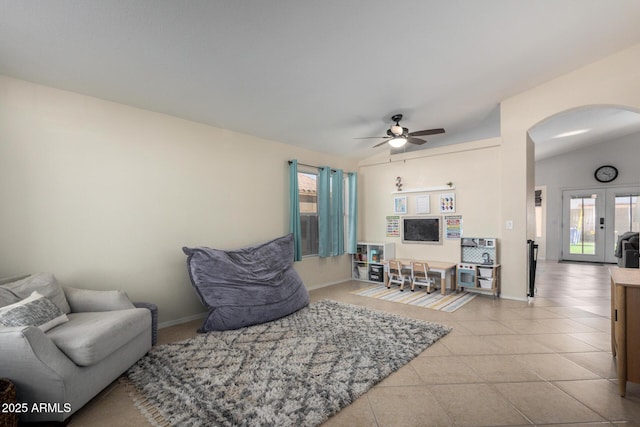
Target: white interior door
594, 218
583, 225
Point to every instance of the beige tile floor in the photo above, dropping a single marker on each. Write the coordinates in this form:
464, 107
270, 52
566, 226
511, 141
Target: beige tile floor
506, 363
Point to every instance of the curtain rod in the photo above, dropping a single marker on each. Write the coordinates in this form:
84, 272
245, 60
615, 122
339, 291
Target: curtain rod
312, 166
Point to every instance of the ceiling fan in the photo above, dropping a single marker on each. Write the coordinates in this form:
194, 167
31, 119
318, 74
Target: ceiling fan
397, 135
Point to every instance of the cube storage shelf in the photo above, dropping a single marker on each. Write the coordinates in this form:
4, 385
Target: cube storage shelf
368, 263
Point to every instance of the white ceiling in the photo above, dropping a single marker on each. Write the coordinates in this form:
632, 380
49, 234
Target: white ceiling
313, 73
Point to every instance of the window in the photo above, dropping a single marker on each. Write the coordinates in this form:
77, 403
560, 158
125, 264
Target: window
626, 217
308, 195
538, 208
318, 211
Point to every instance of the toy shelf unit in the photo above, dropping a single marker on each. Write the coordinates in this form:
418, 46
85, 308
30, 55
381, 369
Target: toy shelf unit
368, 262
478, 270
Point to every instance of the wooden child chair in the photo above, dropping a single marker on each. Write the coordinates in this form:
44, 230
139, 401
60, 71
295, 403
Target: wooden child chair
395, 274
420, 276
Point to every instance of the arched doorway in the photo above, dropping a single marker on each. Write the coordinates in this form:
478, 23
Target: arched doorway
582, 215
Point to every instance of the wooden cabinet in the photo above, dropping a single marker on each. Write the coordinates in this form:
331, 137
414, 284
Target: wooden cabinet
368, 262
625, 324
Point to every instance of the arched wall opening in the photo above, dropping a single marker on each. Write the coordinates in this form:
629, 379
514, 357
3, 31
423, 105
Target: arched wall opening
569, 147
611, 81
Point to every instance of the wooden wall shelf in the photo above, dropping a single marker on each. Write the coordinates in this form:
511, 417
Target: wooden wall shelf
426, 189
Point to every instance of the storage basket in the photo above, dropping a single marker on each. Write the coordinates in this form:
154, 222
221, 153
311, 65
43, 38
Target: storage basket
485, 272
8, 395
377, 269
374, 277
486, 283
363, 272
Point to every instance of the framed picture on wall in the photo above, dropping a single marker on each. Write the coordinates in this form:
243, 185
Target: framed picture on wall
422, 204
447, 203
400, 205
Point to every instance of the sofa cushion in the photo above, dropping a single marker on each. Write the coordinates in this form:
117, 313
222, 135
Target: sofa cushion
35, 310
81, 300
6, 296
45, 283
89, 337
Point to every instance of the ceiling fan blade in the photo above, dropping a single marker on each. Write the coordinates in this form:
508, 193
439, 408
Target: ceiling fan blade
426, 132
382, 143
416, 141
371, 137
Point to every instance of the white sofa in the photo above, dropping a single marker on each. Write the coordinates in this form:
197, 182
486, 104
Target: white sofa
61, 369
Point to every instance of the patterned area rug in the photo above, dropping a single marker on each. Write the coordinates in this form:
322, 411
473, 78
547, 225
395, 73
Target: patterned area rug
435, 300
295, 371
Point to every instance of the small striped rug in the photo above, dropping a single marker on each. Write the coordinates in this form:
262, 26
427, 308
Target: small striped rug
435, 300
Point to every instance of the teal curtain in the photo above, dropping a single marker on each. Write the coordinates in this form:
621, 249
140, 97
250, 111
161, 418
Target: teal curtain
352, 219
337, 213
294, 219
324, 211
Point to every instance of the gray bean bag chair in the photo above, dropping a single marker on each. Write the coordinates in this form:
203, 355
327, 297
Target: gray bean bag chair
246, 286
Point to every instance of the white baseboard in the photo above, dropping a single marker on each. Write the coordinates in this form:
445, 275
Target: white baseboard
512, 298
182, 320
324, 285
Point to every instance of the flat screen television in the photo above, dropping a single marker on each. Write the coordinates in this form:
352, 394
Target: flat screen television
422, 229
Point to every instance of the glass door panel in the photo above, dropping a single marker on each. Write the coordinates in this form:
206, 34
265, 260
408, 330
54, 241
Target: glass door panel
623, 215
583, 230
593, 219
626, 217
582, 225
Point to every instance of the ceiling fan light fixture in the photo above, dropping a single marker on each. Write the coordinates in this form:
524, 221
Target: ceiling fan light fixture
397, 130
397, 142
397, 136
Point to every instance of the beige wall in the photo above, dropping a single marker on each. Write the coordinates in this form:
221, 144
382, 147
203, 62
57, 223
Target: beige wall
474, 169
104, 195
611, 81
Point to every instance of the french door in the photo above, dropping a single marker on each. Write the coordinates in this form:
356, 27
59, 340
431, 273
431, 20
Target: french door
594, 218
583, 225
